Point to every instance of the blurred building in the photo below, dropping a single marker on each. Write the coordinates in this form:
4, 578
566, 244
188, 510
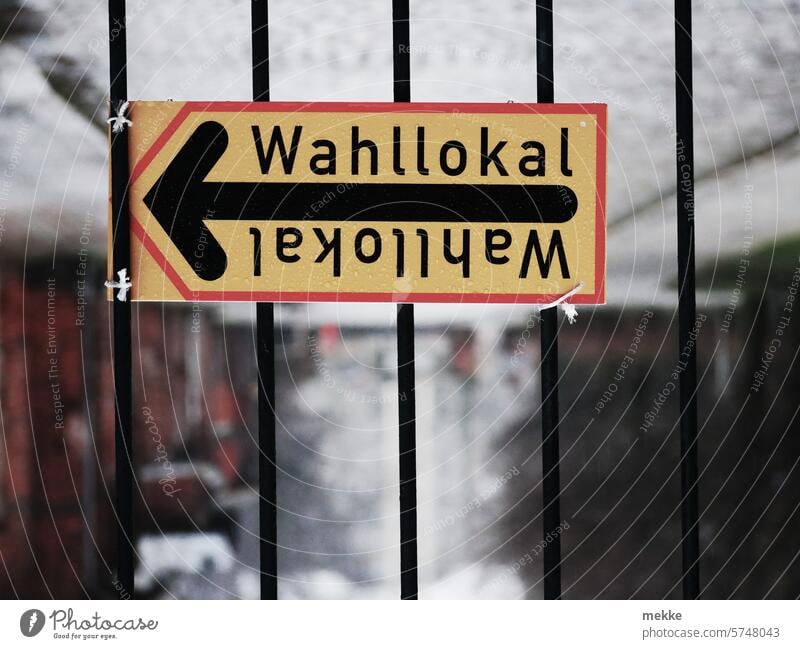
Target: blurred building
478, 393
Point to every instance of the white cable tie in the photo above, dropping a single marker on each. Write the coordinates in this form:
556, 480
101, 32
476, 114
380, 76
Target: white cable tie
119, 121
124, 285
569, 309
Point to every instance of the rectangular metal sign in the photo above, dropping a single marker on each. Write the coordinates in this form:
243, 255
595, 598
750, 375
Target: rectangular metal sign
367, 202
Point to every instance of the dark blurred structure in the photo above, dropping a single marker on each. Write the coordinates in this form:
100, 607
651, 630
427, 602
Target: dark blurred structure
620, 449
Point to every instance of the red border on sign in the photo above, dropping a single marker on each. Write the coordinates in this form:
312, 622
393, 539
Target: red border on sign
598, 110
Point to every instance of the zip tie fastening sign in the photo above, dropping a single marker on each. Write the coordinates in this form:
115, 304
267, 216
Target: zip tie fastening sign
569, 309
124, 285
119, 121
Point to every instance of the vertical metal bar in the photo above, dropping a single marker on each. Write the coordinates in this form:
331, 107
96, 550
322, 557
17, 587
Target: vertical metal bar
406, 401
121, 252
409, 586
401, 55
265, 354
551, 483
684, 157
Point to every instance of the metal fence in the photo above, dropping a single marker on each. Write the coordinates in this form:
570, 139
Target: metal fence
265, 325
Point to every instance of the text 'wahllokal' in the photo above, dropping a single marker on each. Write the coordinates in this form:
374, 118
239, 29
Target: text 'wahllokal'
181, 200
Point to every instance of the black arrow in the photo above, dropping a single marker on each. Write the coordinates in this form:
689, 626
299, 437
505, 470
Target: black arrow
181, 200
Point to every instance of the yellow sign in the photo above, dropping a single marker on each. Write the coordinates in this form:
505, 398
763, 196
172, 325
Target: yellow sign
369, 202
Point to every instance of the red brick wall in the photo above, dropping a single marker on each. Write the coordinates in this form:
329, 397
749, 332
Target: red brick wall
50, 426
57, 418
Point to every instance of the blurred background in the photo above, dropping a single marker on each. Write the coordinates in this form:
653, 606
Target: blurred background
478, 386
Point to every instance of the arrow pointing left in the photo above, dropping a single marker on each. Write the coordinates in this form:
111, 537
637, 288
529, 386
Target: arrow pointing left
182, 201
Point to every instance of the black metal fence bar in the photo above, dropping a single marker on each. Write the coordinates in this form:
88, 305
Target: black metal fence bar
265, 325
265, 355
687, 388
409, 586
551, 484
121, 343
